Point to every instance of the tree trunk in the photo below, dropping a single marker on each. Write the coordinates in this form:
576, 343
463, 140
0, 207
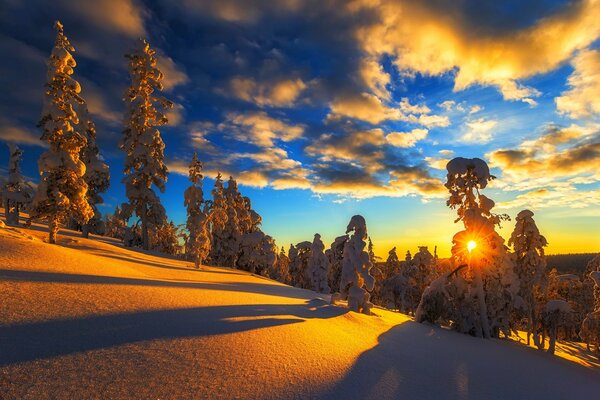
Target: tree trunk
485, 326
53, 230
85, 231
145, 238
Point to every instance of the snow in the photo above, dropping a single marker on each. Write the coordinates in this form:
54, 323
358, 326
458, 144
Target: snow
88, 318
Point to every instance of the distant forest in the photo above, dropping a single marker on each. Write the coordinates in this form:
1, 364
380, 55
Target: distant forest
569, 263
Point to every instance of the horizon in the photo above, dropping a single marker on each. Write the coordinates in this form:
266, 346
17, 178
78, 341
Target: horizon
326, 114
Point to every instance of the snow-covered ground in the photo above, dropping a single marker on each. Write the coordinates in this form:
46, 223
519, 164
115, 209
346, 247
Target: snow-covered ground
91, 319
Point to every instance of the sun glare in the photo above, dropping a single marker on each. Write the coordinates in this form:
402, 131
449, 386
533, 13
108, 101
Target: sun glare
471, 245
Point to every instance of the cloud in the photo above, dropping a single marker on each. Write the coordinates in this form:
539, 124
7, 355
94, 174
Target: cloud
259, 128
582, 100
12, 133
124, 16
557, 158
173, 74
278, 93
432, 38
358, 147
406, 139
375, 78
370, 108
479, 130
175, 115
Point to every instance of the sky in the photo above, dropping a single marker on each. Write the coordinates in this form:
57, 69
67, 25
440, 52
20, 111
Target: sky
326, 109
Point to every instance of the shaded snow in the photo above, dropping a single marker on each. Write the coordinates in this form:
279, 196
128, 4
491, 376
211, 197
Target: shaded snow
91, 319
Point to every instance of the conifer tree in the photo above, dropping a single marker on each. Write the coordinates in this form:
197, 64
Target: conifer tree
17, 192
530, 267
232, 230
356, 267
197, 245
218, 218
142, 142
96, 175
318, 266
62, 191
487, 308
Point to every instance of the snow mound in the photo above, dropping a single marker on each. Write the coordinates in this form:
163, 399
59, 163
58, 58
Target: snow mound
89, 318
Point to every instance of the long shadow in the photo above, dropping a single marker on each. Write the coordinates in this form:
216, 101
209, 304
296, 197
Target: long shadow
248, 287
417, 361
28, 342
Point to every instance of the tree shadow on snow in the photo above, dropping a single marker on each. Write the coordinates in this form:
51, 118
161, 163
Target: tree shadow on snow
28, 342
415, 360
248, 287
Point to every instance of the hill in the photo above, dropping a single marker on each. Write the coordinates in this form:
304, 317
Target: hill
91, 319
570, 263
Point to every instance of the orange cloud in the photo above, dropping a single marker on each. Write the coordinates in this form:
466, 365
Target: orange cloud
431, 40
582, 100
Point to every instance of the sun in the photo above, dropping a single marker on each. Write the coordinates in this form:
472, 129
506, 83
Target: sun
471, 245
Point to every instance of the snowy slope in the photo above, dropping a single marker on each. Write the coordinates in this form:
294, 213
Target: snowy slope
90, 319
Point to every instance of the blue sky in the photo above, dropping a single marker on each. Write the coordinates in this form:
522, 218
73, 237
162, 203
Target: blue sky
322, 110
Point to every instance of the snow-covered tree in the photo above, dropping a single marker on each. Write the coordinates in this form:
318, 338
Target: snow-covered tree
281, 270
16, 192
392, 264
218, 218
556, 313
590, 327
142, 143
62, 191
164, 238
335, 255
299, 256
197, 244
232, 230
530, 267
115, 224
424, 265
257, 253
482, 300
318, 266
356, 268
96, 175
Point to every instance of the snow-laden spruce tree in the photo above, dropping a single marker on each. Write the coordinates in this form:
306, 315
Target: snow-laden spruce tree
257, 253
62, 191
164, 238
318, 266
530, 267
115, 224
143, 146
335, 255
16, 192
299, 256
197, 244
281, 270
424, 264
96, 175
232, 231
218, 218
392, 264
590, 327
356, 267
492, 284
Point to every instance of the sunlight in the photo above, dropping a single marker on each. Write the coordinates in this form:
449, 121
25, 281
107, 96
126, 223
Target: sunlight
471, 245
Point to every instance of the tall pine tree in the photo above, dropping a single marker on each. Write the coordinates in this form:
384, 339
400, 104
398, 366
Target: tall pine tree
197, 245
62, 192
142, 143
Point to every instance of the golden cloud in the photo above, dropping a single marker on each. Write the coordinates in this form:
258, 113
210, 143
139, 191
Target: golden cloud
427, 39
582, 100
